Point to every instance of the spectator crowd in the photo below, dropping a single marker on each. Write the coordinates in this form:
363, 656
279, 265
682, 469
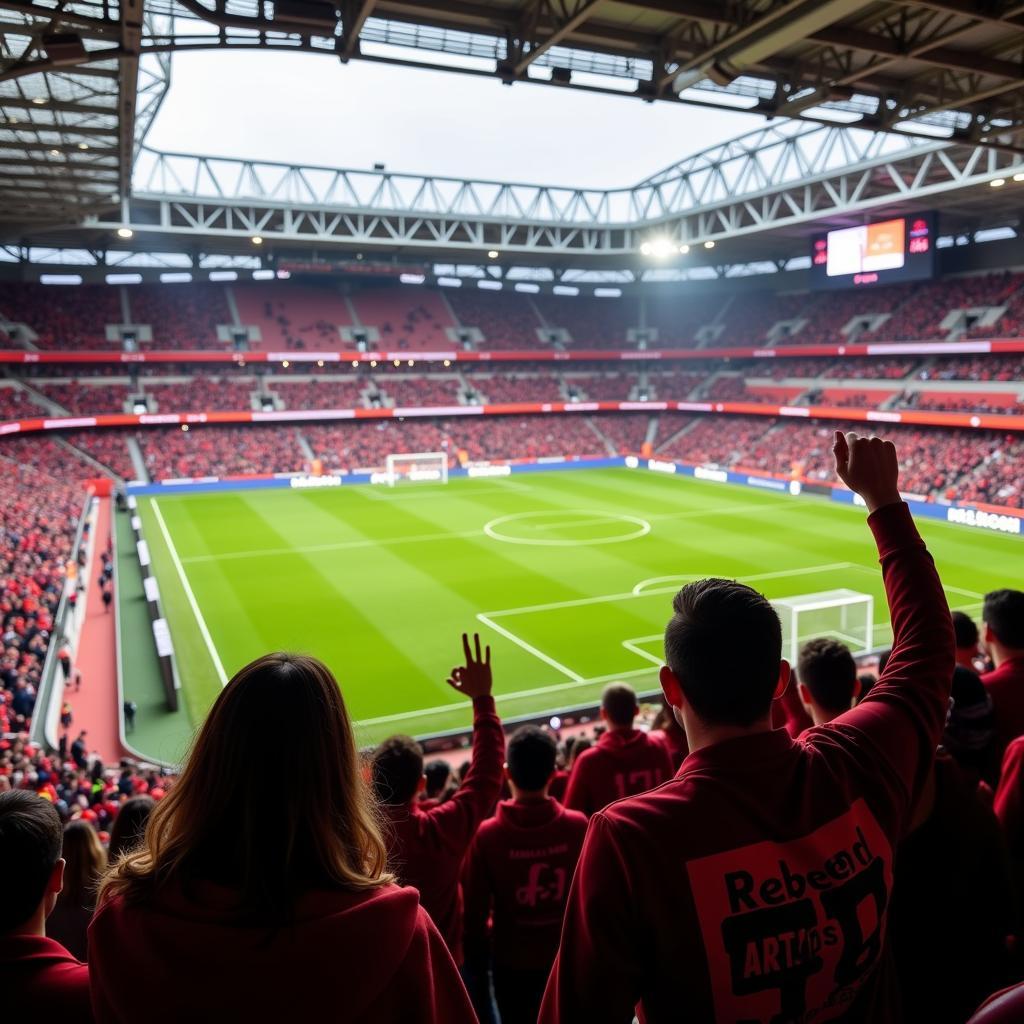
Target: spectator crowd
816, 841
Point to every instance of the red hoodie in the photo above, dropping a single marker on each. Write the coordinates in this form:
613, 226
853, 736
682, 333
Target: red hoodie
755, 885
519, 867
1006, 687
427, 847
1009, 799
622, 763
367, 957
41, 980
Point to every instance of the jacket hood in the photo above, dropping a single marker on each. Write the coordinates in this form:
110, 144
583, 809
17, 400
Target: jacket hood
353, 942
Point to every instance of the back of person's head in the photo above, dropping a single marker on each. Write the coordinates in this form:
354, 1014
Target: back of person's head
724, 646
619, 704
437, 774
30, 846
574, 748
268, 834
397, 770
129, 825
1003, 613
969, 735
85, 860
965, 629
826, 667
530, 757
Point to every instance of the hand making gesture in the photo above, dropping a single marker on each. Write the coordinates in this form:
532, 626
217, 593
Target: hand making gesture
474, 678
869, 467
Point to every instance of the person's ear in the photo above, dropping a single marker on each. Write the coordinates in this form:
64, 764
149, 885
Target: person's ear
989, 636
804, 694
505, 771
421, 785
670, 687
54, 887
784, 674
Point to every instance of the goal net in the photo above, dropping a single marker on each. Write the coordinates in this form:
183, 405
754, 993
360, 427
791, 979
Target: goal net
844, 615
417, 467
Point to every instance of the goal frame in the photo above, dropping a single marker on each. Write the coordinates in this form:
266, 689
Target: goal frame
840, 599
391, 461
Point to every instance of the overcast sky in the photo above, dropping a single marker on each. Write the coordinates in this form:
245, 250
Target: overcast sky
303, 108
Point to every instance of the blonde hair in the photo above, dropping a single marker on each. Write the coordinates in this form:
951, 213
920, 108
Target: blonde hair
85, 862
269, 827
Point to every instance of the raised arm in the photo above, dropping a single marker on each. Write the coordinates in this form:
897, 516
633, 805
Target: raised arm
481, 787
902, 717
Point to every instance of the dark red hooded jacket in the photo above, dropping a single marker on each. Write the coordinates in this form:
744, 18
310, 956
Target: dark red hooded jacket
360, 957
622, 762
518, 870
426, 848
41, 980
755, 885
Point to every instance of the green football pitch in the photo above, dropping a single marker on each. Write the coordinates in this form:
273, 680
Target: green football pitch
569, 576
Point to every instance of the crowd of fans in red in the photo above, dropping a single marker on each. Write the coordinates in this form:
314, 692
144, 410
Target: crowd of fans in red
857, 830
291, 316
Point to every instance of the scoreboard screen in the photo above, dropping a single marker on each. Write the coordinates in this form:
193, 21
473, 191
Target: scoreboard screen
901, 249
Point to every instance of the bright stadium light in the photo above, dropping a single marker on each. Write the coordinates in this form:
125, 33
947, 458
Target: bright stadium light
257, 239
125, 233
659, 248
83, 145
492, 254
997, 182
683, 250
320, 363
709, 244
1018, 176
355, 363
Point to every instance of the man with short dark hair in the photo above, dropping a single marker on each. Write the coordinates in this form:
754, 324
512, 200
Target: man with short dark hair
1003, 618
517, 873
38, 976
623, 762
827, 679
965, 629
756, 884
426, 848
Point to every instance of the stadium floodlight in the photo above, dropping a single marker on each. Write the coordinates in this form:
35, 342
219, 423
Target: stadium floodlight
83, 145
257, 239
492, 254
845, 615
38, 100
1018, 176
417, 467
997, 182
709, 244
660, 248
683, 250
125, 233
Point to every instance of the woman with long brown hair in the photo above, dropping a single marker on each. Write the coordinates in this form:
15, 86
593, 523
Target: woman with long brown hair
261, 890
85, 862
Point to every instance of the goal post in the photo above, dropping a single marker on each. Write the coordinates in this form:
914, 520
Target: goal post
845, 615
418, 467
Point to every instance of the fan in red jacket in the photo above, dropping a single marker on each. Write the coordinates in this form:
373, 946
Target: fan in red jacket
1003, 616
517, 872
623, 762
756, 884
39, 978
426, 848
264, 896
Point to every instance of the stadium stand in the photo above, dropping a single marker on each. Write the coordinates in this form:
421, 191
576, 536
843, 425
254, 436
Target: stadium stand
182, 316
292, 316
62, 316
221, 451
406, 318
590, 322
507, 320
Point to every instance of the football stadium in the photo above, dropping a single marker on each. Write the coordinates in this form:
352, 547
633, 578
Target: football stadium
512, 511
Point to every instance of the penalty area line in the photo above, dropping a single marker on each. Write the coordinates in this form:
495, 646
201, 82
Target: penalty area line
529, 648
200, 621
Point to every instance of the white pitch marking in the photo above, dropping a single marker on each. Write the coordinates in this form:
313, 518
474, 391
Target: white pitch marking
536, 691
529, 648
200, 621
633, 647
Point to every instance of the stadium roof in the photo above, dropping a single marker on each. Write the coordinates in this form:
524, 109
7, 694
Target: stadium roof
80, 82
